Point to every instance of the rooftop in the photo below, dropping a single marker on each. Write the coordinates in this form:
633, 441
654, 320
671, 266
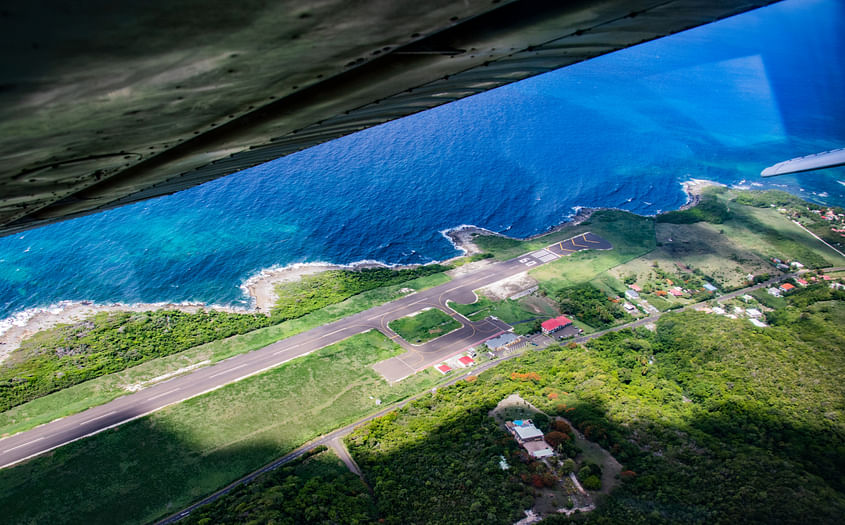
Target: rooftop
557, 322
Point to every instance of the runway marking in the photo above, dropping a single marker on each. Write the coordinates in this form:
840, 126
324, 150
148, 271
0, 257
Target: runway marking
227, 371
25, 444
170, 391
588, 240
98, 417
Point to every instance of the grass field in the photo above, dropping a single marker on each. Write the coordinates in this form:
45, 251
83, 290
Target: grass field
424, 326
726, 253
768, 233
630, 235
160, 463
103, 389
509, 310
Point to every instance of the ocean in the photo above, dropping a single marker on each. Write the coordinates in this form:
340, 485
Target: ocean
720, 102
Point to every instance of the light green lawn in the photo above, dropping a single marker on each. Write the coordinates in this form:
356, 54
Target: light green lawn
162, 462
103, 389
424, 326
508, 310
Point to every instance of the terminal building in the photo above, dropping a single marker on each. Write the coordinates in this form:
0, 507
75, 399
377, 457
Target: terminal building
505, 341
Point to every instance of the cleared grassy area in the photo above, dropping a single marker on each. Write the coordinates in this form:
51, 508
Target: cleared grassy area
424, 326
509, 310
725, 253
630, 235
769, 233
103, 389
160, 463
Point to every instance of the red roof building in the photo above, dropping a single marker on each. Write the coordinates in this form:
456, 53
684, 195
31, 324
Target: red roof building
553, 325
802, 282
786, 287
466, 361
444, 368
635, 288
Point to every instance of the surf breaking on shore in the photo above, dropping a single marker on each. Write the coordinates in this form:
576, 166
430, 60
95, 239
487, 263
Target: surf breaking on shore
260, 287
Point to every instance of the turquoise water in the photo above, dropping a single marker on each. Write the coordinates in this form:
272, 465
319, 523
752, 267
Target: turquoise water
720, 102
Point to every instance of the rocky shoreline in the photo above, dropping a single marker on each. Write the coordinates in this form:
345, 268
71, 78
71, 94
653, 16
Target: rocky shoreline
261, 287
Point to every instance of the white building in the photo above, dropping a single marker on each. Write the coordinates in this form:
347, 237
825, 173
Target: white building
754, 313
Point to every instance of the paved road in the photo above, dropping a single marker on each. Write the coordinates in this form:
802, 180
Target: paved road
540, 341
62, 431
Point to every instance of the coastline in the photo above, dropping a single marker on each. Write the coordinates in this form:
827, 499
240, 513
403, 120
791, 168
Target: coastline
694, 188
260, 287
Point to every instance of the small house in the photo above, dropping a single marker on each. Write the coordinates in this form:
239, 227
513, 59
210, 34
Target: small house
786, 287
754, 313
553, 325
774, 291
710, 288
632, 294
443, 368
530, 438
466, 361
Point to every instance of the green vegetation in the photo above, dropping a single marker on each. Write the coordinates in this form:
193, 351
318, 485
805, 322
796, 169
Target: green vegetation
714, 420
162, 462
314, 489
590, 305
767, 198
471, 258
709, 209
53, 360
513, 312
106, 343
313, 292
424, 326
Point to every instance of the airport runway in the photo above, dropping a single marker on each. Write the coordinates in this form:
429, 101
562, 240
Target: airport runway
46, 437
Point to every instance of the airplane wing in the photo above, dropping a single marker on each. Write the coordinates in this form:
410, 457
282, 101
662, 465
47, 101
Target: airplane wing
817, 161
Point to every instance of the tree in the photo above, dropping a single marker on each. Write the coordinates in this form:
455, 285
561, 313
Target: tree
555, 438
592, 483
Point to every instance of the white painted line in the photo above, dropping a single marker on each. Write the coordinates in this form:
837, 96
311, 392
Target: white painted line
227, 371
25, 444
163, 394
532, 263
98, 417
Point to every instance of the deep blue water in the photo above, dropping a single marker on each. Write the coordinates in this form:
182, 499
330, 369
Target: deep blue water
720, 102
